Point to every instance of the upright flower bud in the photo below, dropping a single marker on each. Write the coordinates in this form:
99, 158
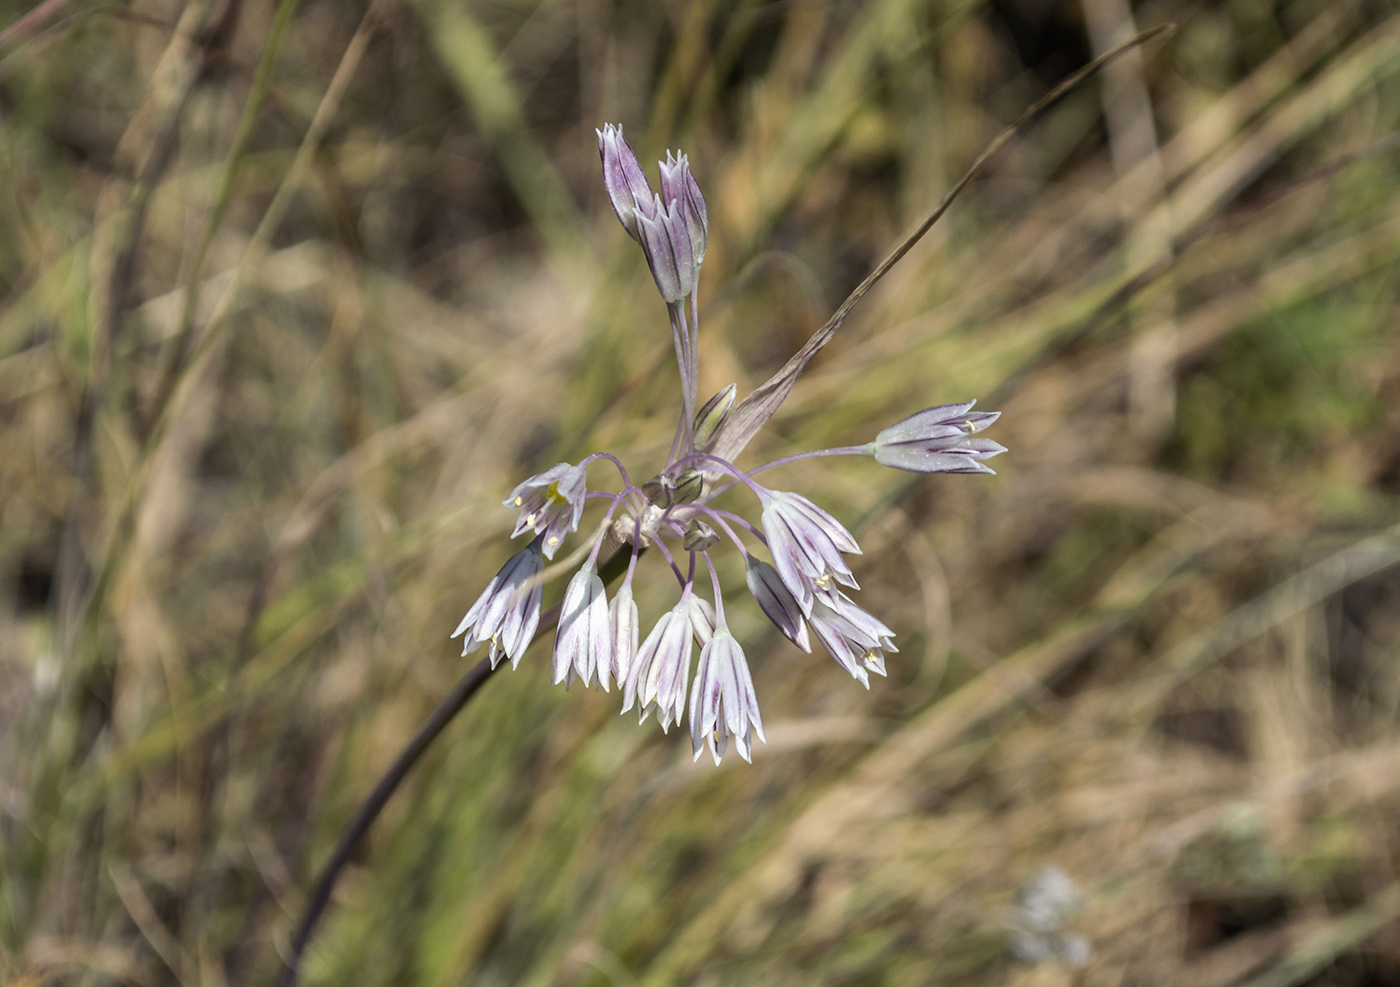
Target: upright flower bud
936, 440
712, 415
678, 185
623, 177
668, 248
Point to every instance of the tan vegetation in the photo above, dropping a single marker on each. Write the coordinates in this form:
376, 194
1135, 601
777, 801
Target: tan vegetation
293, 294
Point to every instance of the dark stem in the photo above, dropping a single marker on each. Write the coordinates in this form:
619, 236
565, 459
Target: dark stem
370, 808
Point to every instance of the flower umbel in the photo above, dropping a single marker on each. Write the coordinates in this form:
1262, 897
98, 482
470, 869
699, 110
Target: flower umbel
677, 512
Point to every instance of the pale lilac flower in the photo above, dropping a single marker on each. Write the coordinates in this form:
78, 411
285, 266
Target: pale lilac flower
722, 701
623, 177
583, 641
623, 623
508, 612
806, 544
776, 601
679, 186
936, 440
551, 504
702, 619
661, 671
853, 637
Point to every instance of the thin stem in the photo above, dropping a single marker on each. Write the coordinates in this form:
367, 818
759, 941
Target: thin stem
674, 568
719, 518
684, 358
588, 460
865, 450
603, 528
719, 599
725, 465
372, 806
695, 341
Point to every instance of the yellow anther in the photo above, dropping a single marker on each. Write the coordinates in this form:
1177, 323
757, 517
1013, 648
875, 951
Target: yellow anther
552, 541
824, 582
530, 518
519, 501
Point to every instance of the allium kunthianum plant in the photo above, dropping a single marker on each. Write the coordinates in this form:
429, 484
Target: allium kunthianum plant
802, 585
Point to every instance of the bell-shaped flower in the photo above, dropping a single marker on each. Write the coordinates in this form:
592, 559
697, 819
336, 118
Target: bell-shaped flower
678, 185
623, 177
722, 701
937, 440
661, 671
776, 601
550, 503
856, 639
508, 612
583, 641
806, 544
623, 628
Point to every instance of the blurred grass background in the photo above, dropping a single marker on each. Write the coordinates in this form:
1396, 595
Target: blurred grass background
294, 292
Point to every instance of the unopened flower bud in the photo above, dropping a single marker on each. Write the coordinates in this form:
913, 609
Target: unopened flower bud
689, 486
699, 536
660, 490
623, 177
712, 415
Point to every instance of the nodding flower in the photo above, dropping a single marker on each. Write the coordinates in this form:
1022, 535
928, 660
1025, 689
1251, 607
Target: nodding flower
677, 512
550, 503
508, 612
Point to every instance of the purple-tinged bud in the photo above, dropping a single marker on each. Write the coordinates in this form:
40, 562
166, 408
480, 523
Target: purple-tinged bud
668, 249
622, 620
777, 602
550, 503
508, 612
856, 639
623, 177
936, 440
678, 185
661, 672
723, 702
699, 536
806, 544
711, 416
583, 642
